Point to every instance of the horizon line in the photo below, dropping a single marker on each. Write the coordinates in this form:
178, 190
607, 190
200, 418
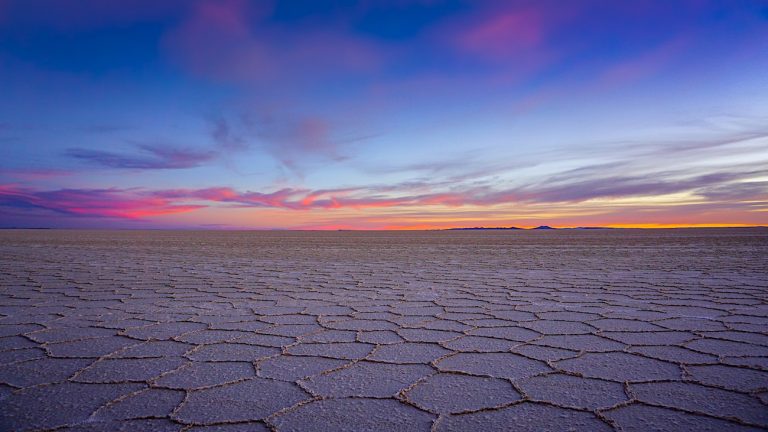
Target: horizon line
415, 228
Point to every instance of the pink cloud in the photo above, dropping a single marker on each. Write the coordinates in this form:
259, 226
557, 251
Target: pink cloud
644, 65
230, 41
110, 203
505, 35
215, 41
279, 199
518, 39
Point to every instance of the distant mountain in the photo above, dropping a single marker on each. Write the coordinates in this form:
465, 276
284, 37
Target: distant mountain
544, 227
484, 228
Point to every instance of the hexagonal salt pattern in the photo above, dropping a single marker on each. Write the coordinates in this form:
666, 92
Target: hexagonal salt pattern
444, 331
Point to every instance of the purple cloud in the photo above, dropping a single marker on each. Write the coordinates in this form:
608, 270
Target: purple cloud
107, 203
747, 192
230, 40
151, 157
294, 140
225, 138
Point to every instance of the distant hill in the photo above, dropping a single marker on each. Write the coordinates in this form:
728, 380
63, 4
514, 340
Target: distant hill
542, 227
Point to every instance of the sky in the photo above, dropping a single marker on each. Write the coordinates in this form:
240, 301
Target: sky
383, 114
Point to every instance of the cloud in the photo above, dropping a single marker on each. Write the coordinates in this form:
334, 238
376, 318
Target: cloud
149, 157
105, 203
240, 43
292, 139
448, 187
278, 198
504, 34
759, 135
138, 203
618, 187
32, 174
231, 41
748, 191
225, 138
644, 65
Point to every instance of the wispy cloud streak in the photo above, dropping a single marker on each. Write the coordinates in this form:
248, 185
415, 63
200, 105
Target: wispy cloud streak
151, 157
138, 203
108, 203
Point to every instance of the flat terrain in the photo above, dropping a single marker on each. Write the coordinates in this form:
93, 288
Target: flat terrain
634, 330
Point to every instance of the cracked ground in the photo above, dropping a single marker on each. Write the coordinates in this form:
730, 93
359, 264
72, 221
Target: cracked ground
632, 330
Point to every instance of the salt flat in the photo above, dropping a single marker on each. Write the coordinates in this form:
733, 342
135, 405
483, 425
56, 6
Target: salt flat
632, 330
